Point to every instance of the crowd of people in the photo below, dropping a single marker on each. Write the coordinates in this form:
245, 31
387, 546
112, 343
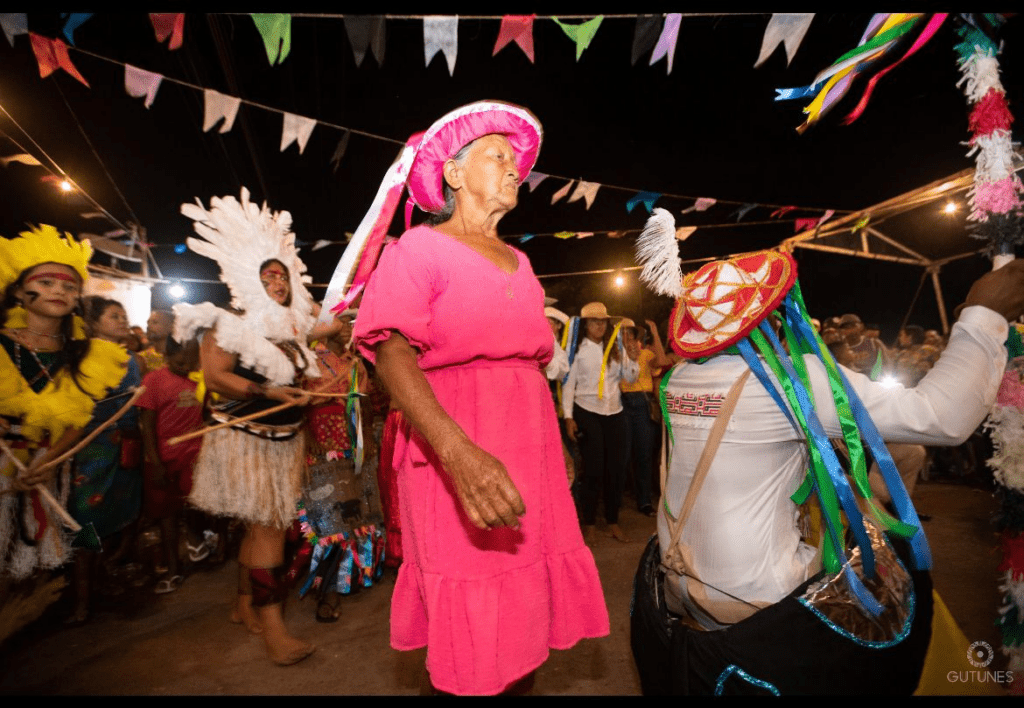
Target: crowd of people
454, 425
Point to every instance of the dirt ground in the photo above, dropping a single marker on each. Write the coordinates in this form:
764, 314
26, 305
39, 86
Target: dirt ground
182, 643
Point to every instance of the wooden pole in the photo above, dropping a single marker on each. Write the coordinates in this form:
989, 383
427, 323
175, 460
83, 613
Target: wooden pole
44, 493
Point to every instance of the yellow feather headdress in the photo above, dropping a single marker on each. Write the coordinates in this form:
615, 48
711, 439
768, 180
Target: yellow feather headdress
42, 244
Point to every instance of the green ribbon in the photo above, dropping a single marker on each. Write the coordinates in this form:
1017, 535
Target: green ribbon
847, 421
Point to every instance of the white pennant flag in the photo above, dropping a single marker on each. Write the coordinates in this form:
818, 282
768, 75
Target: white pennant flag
441, 33
24, 158
218, 106
296, 128
586, 190
784, 28
139, 83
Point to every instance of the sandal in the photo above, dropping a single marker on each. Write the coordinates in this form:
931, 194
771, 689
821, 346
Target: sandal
168, 585
197, 553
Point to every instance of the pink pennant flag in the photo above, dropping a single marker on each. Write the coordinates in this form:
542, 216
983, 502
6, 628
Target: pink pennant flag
702, 204
518, 29
666, 46
825, 217
218, 106
584, 234
562, 192
585, 190
805, 224
52, 54
535, 178
139, 83
168, 24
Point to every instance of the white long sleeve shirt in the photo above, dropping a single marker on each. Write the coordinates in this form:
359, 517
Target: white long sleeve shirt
742, 531
581, 387
558, 367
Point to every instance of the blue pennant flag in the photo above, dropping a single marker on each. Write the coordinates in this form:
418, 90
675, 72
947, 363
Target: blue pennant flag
648, 199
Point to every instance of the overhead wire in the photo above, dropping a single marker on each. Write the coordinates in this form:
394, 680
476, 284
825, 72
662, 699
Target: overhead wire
56, 169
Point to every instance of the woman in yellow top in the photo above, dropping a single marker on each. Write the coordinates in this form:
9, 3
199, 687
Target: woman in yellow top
637, 402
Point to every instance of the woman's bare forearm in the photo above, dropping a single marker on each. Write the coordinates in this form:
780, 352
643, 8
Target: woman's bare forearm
411, 393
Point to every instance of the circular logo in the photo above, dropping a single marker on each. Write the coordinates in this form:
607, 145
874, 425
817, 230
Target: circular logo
980, 654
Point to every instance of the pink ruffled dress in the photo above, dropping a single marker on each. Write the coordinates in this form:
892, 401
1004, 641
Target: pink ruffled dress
488, 605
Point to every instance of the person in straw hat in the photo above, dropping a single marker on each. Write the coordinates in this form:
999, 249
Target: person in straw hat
494, 568
750, 602
592, 406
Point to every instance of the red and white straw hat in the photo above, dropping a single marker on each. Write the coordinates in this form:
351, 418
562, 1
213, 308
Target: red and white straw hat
420, 166
724, 300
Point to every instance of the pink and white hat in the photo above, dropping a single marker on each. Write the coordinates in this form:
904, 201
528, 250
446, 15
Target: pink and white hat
420, 166
455, 130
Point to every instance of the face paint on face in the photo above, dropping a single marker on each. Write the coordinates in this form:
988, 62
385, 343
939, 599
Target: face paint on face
53, 292
275, 282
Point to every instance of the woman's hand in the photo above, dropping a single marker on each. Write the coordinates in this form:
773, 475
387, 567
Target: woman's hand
287, 394
570, 428
483, 486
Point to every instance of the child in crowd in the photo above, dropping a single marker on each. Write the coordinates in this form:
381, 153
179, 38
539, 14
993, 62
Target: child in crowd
170, 408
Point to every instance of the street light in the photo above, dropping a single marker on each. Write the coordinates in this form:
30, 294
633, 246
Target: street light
620, 280
65, 185
950, 207
177, 291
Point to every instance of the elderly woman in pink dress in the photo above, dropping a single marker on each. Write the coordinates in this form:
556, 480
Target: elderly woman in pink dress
495, 571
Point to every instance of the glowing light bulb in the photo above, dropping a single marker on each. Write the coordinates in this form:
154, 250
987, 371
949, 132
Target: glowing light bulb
619, 281
950, 207
176, 291
65, 186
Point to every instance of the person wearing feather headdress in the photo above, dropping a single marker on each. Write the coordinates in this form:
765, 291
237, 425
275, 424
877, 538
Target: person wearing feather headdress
253, 361
729, 586
51, 375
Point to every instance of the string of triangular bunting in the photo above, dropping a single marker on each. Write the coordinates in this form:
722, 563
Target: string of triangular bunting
222, 109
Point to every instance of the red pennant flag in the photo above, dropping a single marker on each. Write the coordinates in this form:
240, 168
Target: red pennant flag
782, 211
805, 224
168, 24
518, 29
52, 54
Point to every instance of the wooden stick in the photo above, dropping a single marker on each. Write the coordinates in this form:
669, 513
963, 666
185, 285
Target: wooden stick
44, 492
234, 421
258, 414
91, 436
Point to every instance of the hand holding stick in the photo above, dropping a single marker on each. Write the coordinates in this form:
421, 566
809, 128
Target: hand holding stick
44, 493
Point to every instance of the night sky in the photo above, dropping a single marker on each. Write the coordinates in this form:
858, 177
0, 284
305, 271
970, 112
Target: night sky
709, 129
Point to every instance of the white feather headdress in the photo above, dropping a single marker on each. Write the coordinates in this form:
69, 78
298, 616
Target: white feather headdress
657, 250
241, 237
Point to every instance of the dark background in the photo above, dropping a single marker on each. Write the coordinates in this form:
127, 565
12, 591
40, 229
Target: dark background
709, 129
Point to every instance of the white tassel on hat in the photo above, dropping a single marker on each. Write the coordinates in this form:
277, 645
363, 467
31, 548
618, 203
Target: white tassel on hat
658, 252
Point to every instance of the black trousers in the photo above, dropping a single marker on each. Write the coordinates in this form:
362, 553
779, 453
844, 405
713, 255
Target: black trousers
783, 648
604, 446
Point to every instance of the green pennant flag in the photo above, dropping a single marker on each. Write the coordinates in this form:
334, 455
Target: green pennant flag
276, 30
582, 33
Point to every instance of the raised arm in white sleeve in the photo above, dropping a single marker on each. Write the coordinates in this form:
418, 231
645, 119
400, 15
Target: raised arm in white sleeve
948, 404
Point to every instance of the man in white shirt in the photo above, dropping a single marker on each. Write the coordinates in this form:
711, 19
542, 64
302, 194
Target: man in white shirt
740, 541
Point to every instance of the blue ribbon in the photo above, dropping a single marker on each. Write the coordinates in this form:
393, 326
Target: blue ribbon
905, 512
790, 94
525, 237
574, 335
754, 362
838, 477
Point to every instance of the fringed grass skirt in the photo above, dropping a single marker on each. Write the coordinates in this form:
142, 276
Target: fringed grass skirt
250, 478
